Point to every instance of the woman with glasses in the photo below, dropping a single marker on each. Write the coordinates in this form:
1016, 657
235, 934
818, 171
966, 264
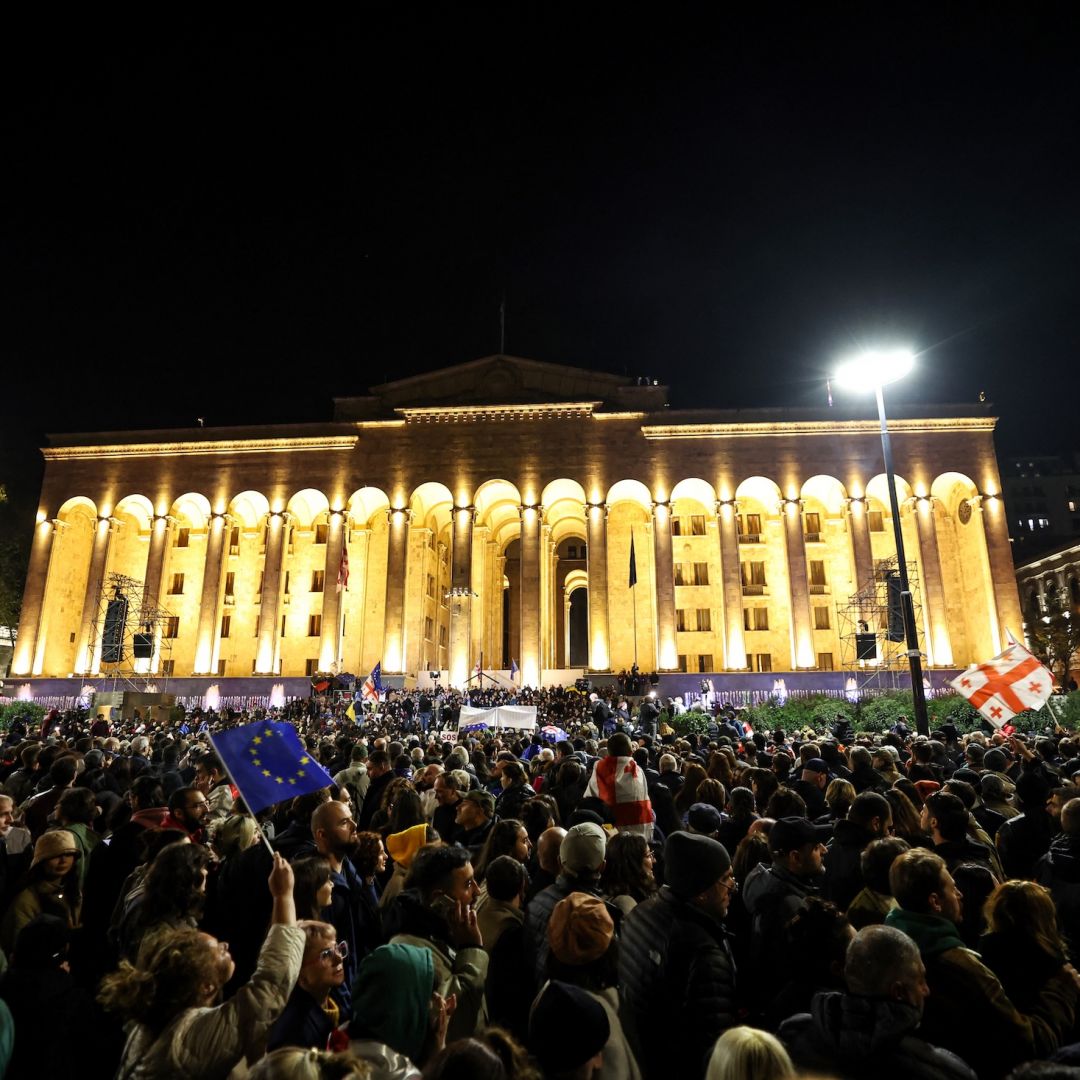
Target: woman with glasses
311, 1015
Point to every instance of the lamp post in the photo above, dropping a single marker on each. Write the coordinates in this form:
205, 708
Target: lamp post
871, 371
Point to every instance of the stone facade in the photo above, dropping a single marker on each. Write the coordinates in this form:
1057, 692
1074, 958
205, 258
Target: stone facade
476, 501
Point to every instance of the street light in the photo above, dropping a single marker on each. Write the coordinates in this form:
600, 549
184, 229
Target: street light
871, 371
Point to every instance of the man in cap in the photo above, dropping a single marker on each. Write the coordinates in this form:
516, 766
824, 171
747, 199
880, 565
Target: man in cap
581, 860
567, 1032
475, 818
675, 964
774, 893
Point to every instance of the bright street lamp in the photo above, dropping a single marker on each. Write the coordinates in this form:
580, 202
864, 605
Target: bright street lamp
871, 371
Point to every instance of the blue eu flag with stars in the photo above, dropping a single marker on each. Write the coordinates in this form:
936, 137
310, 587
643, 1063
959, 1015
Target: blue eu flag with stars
268, 763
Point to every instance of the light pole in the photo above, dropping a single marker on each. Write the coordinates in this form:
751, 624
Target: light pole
871, 371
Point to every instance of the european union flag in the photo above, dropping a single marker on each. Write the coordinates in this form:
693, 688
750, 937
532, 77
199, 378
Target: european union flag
268, 763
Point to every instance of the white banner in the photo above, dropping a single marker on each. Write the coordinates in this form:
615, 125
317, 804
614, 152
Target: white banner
518, 717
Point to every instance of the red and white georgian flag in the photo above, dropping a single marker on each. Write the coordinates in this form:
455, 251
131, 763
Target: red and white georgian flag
1010, 683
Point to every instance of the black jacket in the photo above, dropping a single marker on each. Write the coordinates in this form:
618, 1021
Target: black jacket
854, 1037
678, 985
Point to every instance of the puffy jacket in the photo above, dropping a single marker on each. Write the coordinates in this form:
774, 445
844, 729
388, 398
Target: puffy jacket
678, 985
853, 1037
1059, 871
968, 1011
208, 1043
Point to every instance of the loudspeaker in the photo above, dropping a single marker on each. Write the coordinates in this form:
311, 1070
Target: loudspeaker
896, 611
142, 646
866, 646
112, 637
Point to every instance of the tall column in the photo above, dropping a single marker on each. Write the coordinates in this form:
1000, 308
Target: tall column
461, 594
1002, 574
277, 524
396, 565
933, 587
801, 624
333, 596
37, 576
160, 530
861, 548
531, 520
596, 567
206, 644
84, 651
734, 640
667, 658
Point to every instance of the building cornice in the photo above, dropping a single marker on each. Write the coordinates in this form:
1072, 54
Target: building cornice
215, 446
815, 427
473, 414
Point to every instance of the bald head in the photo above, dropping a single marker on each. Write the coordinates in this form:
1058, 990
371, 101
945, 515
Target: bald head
547, 849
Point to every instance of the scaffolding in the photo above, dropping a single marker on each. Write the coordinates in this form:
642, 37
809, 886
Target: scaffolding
129, 621
868, 611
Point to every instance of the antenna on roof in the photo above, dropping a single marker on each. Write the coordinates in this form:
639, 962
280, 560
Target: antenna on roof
502, 326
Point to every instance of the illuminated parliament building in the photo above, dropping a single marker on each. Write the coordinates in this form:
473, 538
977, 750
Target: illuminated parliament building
488, 511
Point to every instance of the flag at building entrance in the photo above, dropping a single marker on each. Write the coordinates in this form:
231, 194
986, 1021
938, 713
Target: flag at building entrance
373, 688
1010, 683
268, 763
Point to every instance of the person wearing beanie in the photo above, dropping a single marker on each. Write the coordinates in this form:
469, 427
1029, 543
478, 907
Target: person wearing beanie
568, 1031
581, 858
51, 887
581, 934
675, 963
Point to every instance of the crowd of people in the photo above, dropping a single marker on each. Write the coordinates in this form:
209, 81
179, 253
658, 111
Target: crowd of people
619, 903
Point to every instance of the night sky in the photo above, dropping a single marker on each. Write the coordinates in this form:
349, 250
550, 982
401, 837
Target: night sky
241, 221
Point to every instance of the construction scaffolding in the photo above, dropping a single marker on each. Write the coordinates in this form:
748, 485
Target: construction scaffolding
129, 637
873, 649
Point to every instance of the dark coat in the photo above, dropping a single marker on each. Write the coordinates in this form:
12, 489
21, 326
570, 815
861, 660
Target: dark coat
678, 985
1059, 871
843, 874
854, 1037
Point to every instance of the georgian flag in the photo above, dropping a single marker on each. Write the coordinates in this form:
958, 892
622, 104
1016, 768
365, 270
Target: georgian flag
1010, 683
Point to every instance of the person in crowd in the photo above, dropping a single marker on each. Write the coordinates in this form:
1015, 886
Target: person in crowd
189, 811
173, 897
742, 1053
435, 912
475, 819
628, 877
620, 783
875, 900
968, 1011
516, 791
581, 860
869, 819
180, 1027
583, 953
311, 1016
871, 1029
447, 796
675, 962
49, 887
312, 886
1059, 871
583, 1032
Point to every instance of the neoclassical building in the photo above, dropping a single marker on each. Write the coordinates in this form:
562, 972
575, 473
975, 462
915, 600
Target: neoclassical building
488, 512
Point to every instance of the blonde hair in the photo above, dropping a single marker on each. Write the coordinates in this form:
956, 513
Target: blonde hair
747, 1051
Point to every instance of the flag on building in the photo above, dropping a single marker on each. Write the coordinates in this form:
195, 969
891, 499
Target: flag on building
633, 561
268, 763
514, 669
343, 567
373, 687
1010, 683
